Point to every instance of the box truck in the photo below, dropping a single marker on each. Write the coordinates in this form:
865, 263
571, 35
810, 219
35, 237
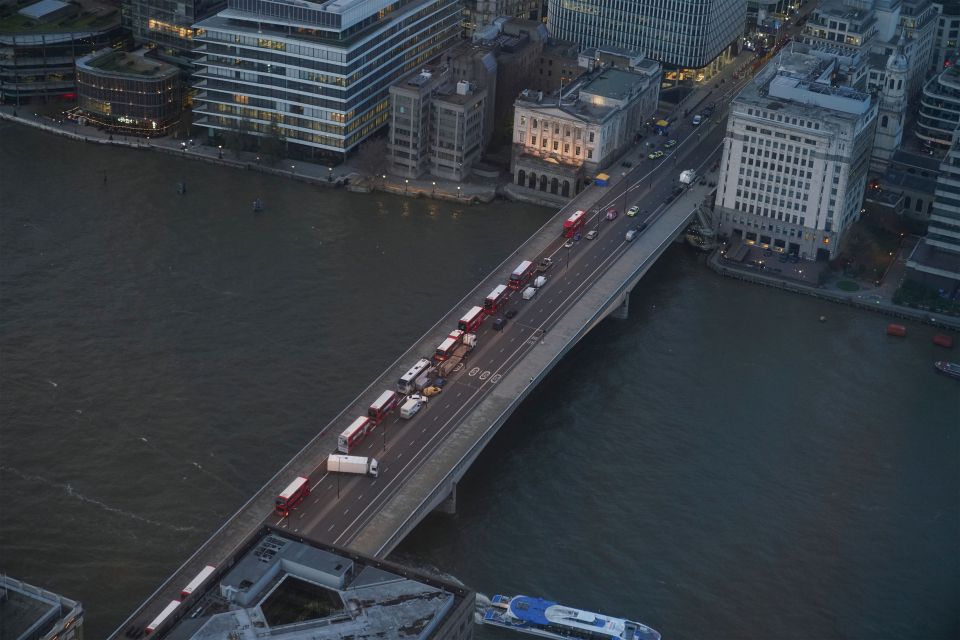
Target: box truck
337, 463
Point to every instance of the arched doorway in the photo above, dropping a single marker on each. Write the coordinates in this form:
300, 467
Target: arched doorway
566, 189
554, 186
543, 183
521, 177
533, 181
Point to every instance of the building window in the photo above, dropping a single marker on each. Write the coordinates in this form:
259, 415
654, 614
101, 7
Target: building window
591, 136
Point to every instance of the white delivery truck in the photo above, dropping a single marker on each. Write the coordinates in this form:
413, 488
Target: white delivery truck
529, 292
540, 281
411, 406
337, 463
688, 177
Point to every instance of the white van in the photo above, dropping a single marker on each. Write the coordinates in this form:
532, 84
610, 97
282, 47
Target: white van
410, 407
540, 281
631, 235
529, 292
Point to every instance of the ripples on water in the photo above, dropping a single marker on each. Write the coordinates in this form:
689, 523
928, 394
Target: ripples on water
719, 465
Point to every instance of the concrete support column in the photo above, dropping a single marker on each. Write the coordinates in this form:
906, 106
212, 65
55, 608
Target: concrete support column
449, 506
622, 312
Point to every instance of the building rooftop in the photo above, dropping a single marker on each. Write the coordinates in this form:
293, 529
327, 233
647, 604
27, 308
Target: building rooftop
127, 64
52, 16
294, 589
797, 82
32, 612
613, 83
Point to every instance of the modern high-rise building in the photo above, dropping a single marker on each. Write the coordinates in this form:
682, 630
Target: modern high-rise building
935, 260
168, 26
313, 74
690, 34
940, 108
480, 13
795, 158
947, 41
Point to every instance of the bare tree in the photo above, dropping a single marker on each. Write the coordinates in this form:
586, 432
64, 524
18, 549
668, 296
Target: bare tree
273, 146
372, 157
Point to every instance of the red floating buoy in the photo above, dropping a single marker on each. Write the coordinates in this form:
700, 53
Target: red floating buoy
896, 330
942, 340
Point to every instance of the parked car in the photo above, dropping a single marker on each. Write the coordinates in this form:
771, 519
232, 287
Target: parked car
568, 243
576, 238
499, 323
439, 382
632, 211
611, 214
431, 391
591, 234
641, 226
510, 313
626, 164
545, 264
655, 155
670, 143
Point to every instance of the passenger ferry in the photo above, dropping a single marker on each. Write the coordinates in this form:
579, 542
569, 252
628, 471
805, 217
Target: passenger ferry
951, 369
546, 619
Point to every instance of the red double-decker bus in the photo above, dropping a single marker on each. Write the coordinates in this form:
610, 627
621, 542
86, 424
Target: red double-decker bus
574, 223
445, 350
521, 275
293, 495
471, 320
197, 582
496, 299
383, 405
353, 434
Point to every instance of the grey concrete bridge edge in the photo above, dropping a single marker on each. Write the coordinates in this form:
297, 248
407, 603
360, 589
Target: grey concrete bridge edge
430, 486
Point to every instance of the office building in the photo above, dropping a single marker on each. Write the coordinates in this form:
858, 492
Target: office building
437, 124
678, 34
947, 36
33, 613
940, 109
478, 14
870, 31
40, 42
315, 75
561, 140
168, 26
935, 261
795, 158
288, 587
128, 93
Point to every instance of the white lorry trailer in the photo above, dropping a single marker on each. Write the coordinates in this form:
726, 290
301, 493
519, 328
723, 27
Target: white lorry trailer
337, 463
411, 406
688, 177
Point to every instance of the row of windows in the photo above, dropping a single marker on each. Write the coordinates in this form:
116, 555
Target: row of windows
556, 146
767, 212
779, 117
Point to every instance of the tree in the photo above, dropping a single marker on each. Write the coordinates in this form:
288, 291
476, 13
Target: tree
372, 156
273, 145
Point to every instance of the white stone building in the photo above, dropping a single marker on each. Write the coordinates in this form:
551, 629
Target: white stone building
795, 158
561, 141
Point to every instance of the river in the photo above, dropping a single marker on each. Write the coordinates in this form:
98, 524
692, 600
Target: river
721, 464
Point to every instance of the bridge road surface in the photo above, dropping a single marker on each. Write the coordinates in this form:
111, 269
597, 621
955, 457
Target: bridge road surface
402, 446
340, 505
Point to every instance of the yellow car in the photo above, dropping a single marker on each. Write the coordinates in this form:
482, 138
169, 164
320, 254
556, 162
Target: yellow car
431, 391
655, 155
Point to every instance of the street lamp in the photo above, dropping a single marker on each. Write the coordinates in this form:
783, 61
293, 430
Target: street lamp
292, 167
434, 189
406, 184
458, 192
329, 174
220, 151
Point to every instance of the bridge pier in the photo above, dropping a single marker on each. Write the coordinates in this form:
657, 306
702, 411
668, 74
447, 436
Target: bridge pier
449, 505
622, 312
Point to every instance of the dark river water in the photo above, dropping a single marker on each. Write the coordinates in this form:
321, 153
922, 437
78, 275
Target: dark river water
719, 465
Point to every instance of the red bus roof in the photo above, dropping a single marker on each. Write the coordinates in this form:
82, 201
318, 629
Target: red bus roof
384, 398
355, 426
293, 487
497, 292
470, 315
521, 269
574, 218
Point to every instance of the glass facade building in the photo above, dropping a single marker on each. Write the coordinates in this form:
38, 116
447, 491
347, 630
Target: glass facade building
315, 74
678, 33
940, 108
168, 25
128, 93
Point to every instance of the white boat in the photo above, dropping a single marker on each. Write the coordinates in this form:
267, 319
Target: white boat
547, 619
